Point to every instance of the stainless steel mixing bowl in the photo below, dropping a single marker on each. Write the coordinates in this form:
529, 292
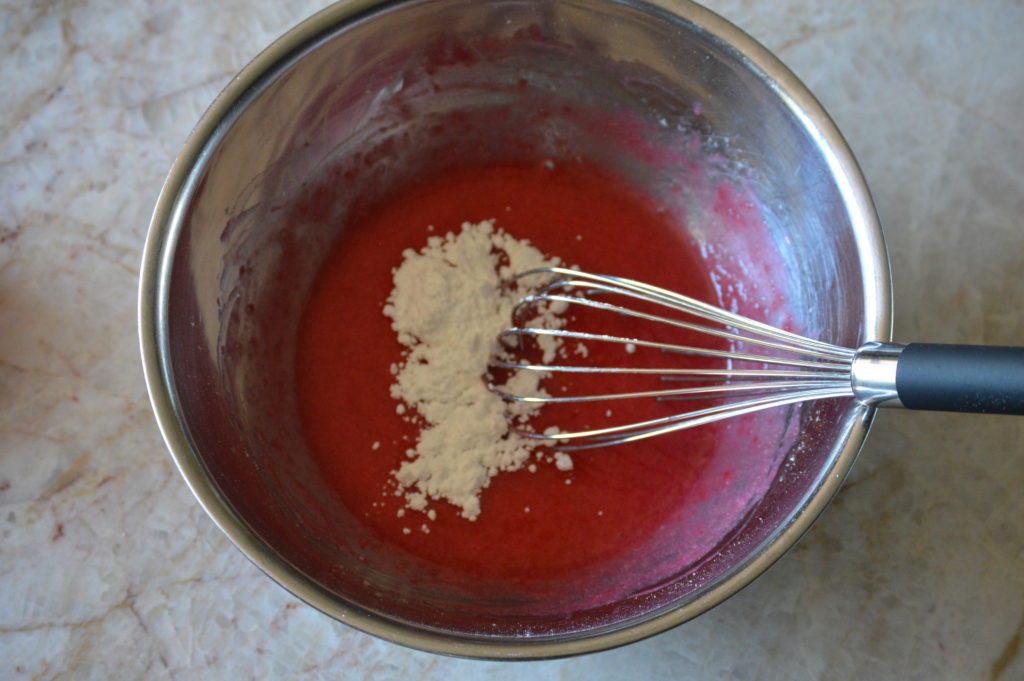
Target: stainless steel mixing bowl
376, 94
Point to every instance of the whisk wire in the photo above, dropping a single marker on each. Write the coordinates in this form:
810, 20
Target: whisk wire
673, 373
711, 391
631, 432
672, 347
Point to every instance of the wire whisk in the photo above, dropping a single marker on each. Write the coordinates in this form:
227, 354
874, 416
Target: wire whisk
757, 366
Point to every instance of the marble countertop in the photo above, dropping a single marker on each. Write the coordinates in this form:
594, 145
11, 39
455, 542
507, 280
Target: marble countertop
110, 570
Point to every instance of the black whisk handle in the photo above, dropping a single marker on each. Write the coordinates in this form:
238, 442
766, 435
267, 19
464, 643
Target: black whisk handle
980, 379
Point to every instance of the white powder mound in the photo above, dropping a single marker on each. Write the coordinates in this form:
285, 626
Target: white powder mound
449, 303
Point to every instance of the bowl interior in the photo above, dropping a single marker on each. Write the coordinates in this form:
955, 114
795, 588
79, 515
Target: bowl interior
367, 100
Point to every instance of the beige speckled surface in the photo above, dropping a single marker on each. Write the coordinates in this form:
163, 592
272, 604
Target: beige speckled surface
109, 569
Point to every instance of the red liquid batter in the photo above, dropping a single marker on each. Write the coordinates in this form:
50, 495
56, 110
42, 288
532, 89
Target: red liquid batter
534, 527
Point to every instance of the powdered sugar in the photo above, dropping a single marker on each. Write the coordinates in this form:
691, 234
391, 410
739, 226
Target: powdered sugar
449, 303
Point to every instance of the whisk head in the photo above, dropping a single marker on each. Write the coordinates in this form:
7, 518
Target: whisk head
727, 364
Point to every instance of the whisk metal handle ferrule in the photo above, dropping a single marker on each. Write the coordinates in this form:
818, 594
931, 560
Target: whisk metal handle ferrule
977, 379
873, 374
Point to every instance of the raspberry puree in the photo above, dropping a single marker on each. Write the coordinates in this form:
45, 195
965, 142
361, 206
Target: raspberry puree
534, 526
